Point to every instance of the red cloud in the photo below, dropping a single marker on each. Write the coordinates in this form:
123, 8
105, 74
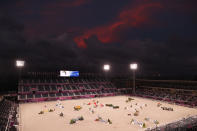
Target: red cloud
132, 17
103, 33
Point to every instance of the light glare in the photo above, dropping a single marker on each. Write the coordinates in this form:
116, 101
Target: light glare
20, 63
106, 67
133, 66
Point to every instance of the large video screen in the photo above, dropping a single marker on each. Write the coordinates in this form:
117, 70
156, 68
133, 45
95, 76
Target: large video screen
69, 73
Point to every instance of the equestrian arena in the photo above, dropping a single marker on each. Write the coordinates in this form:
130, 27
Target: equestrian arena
114, 113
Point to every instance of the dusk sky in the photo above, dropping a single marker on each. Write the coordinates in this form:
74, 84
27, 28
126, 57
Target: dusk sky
160, 35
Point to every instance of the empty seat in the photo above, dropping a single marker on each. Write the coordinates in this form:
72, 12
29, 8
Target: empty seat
65, 94
99, 92
45, 95
22, 96
53, 88
53, 81
64, 81
77, 93
42, 81
41, 88
83, 93
20, 89
74, 88
68, 87
37, 95
88, 93
93, 92
58, 94
26, 89
29, 95
47, 88
70, 94
36, 81
52, 95
64, 87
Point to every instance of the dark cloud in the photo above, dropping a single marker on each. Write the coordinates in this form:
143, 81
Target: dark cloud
68, 3
156, 34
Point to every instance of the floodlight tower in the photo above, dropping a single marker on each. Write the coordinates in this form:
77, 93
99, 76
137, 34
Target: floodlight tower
133, 67
106, 68
20, 64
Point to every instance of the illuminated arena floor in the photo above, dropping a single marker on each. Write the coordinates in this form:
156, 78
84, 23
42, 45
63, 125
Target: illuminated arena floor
30, 120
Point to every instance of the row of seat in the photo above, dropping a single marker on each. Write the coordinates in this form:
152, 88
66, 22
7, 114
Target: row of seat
5, 111
60, 80
168, 95
170, 85
49, 88
65, 94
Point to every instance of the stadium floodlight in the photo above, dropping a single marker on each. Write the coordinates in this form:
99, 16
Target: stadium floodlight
106, 67
20, 63
133, 67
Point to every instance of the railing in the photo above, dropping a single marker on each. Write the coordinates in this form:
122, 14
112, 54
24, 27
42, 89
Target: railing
179, 125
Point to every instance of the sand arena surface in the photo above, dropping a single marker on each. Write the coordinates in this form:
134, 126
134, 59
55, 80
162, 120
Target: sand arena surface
30, 120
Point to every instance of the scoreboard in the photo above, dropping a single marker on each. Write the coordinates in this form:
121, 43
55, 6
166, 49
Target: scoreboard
64, 73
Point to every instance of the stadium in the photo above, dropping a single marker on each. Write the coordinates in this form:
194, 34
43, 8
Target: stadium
98, 65
68, 100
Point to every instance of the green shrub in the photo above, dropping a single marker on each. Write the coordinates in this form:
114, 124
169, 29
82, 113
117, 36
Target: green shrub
144, 125
115, 107
72, 121
50, 110
132, 120
81, 118
41, 112
109, 121
156, 122
136, 113
110, 105
130, 99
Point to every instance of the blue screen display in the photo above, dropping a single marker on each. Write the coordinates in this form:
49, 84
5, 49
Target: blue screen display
74, 74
